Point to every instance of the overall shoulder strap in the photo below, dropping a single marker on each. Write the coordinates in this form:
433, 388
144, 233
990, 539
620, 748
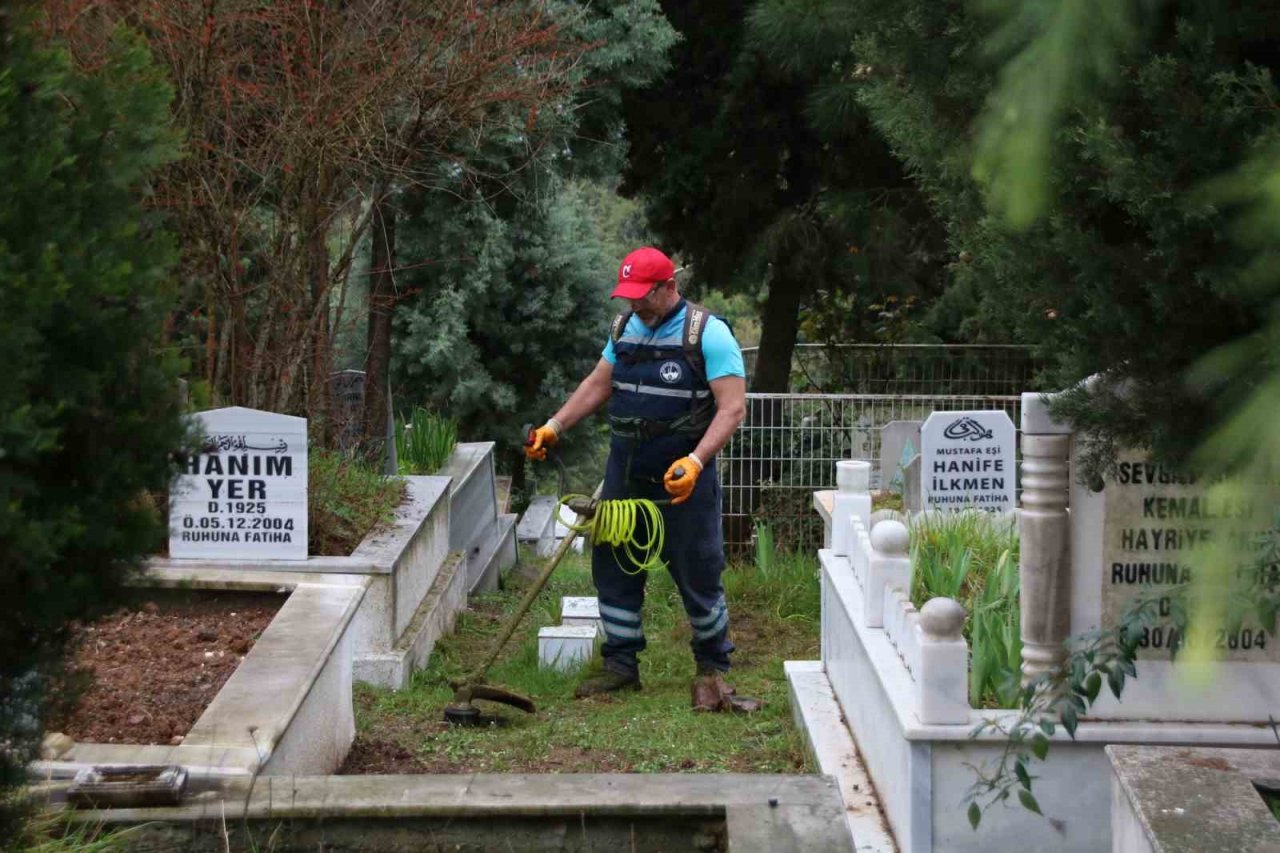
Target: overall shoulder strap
618, 326
695, 323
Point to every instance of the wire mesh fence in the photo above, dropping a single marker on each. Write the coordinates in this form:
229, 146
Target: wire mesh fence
951, 369
788, 445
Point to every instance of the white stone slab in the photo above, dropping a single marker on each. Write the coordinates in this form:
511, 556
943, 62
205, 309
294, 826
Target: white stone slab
819, 718
566, 647
581, 611
921, 772
535, 523
244, 496
899, 444
968, 460
1239, 691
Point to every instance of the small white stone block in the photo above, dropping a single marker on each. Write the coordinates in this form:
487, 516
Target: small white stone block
942, 679
888, 566
942, 688
581, 610
566, 647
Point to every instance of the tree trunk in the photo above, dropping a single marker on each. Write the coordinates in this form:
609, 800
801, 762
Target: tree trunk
381, 305
777, 338
321, 364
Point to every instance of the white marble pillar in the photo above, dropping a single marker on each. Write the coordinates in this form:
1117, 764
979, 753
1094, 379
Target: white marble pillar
1045, 564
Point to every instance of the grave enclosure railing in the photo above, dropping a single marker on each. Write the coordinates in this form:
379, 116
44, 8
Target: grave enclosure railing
788, 445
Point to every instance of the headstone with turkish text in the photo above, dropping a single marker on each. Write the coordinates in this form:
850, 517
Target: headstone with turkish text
1154, 517
968, 461
244, 495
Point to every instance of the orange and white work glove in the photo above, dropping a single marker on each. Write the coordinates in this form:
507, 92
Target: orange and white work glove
542, 438
681, 477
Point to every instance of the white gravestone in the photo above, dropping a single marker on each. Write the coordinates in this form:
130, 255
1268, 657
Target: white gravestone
1154, 518
968, 461
244, 495
899, 443
1133, 539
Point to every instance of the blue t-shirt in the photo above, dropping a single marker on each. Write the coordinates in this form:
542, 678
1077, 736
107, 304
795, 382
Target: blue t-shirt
719, 348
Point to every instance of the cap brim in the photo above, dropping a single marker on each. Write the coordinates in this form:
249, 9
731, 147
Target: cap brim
631, 290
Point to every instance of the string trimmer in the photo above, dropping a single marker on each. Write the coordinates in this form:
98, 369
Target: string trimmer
602, 521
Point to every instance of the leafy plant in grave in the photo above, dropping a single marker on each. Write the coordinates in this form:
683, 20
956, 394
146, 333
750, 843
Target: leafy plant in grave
995, 637
424, 442
972, 557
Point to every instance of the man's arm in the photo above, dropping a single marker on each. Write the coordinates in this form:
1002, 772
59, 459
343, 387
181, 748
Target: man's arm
731, 407
591, 394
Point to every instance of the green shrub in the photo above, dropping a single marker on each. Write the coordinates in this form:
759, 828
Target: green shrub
345, 499
973, 558
425, 442
89, 410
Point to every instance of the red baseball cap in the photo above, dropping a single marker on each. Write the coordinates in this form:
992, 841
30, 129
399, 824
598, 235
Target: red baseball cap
640, 271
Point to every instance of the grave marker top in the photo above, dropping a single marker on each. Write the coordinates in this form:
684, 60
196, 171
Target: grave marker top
968, 461
244, 495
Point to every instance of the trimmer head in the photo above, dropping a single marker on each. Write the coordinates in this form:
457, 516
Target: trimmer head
462, 712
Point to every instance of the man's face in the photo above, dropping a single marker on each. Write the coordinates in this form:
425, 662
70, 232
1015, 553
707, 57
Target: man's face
650, 307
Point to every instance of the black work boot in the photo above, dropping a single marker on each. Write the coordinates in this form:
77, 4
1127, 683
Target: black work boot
605, 681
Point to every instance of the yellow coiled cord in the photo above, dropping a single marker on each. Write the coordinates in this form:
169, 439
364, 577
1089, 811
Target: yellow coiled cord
614, 524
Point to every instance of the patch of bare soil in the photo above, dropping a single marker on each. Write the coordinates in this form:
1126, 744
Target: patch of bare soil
146, 672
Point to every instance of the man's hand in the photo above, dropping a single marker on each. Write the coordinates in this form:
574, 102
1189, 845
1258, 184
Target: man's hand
680, 485
540, 439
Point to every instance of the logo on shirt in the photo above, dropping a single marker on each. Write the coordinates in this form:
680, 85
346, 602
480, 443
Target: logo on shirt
670, 372
626, 271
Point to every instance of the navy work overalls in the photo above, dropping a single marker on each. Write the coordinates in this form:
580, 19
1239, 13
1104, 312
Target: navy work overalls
654, 385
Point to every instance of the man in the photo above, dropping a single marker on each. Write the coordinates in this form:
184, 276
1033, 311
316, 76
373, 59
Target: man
673, 378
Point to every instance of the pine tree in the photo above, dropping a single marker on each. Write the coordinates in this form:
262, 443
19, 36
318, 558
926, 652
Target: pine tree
509, 271
88, 400
755, 182
1068, 148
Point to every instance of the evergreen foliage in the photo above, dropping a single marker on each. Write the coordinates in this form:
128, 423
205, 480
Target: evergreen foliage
1069, 149
510, 258
88, 401
757, 172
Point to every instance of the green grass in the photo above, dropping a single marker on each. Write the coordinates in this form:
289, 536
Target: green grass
52, 832
972, 557
345, 499
773, 617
